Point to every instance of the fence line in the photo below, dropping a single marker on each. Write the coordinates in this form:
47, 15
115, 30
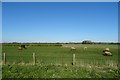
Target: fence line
73, 59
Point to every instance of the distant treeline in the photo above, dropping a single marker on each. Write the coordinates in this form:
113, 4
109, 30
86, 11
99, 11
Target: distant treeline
31, 44
50, 44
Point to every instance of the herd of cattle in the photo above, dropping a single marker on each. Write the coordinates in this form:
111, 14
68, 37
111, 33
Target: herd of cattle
106, 52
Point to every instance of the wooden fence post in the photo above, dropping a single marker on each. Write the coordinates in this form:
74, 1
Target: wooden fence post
4, 58
73, 59
62, 60
34, 60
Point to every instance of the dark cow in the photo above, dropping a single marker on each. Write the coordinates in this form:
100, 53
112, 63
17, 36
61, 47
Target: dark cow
22, 47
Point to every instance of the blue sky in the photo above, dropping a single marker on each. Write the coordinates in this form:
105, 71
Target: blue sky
0, 22
60, 21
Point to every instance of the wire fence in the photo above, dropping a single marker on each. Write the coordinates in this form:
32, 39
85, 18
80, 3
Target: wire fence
62, 59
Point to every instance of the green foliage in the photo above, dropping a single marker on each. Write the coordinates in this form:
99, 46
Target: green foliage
52, 71
87, 42
32, 44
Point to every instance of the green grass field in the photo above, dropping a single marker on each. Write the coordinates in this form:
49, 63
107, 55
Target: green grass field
90, 63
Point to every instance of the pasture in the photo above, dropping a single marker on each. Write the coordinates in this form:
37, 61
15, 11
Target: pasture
58, 59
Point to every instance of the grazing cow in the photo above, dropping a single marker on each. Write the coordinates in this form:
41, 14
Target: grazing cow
85, 48
107, 49
19, 48
22, 47
72, 48
107, 52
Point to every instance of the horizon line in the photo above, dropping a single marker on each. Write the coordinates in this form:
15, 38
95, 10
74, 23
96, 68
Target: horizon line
62, 42
59, 1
